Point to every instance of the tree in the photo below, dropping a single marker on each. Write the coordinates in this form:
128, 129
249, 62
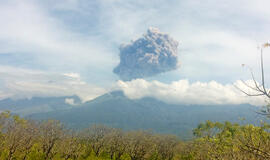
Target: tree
94, 138
70, 146
116, 144
51, 132
140, 145
259, 88
4, 120
165, 145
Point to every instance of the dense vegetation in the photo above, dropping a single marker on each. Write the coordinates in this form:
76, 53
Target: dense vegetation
34, 140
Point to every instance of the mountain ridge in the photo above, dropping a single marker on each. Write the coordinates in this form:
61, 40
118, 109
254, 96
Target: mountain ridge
116, 110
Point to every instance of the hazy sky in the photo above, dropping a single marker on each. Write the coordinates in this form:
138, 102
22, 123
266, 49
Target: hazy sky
65, 47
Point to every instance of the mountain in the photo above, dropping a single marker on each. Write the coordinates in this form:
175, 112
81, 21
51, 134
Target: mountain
116, 110
25, 107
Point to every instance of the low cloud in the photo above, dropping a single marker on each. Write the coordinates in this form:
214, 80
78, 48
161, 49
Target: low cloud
26, 83
69, 101
184, 92
152, 54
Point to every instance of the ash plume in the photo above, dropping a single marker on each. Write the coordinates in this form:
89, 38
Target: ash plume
155, 52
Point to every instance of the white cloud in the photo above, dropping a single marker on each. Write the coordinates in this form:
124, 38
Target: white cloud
25, 83
27, 27
4, 95
215, 53
210, 34
69, 101
72, 75
214, 40
183, 92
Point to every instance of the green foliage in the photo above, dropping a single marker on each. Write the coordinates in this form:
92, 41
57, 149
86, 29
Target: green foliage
231, 141
47, 140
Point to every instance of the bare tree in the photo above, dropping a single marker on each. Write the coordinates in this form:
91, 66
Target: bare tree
4, 120
258, 88
51, 133
94, 137
13, 138
30, 135
140, 145
165, 145
116, 144
70, 146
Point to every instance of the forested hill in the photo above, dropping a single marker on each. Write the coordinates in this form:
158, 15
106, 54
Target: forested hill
116, 110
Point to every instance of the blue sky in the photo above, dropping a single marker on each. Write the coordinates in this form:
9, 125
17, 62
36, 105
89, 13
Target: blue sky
71, 46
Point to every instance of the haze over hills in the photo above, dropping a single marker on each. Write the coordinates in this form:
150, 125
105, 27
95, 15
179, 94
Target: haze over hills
25, 107
116, 110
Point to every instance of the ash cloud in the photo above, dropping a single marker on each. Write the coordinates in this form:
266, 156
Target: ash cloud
155, 52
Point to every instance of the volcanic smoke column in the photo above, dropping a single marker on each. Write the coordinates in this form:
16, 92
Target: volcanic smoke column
153, 53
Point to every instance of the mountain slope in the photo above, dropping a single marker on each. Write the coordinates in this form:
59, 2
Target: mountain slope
116, 110
25, 107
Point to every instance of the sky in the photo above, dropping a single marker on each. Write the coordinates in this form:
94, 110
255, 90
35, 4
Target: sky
70, 47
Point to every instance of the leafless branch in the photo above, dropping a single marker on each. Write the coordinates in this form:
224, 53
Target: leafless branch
259, 88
